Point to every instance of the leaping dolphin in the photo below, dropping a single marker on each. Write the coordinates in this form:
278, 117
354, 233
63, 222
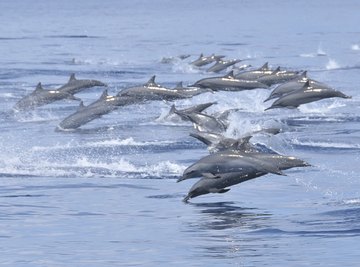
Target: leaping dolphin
229, 83
182, 113
104, 105
255, 74
190, 91
305, 95
236, 160
74, 86
204, 60
222, 65
40, 97
294, 85
204, 122
278, 76
153, 91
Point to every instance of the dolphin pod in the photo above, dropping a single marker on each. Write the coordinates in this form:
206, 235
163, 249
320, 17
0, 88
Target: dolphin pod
231, 160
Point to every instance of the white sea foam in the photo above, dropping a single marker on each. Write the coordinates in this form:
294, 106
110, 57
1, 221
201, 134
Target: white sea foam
355, 47
332, 64
325, 144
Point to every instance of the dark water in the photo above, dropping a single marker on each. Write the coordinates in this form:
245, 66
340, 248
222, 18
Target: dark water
105, 195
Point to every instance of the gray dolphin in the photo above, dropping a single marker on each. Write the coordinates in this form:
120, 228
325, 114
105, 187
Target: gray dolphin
222, 65
153, 91
278, 76
305, 95
218, 183
204, 60
255, 74
74, 85
104, 105
217, 142
190, 91
182, 113
40, 97
236, 160
294, 85
229, 83
204, 122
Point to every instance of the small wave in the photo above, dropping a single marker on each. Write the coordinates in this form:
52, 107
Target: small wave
320, 51
104, 143
308, 55
354, 201
325, 144
332, 65
323, 106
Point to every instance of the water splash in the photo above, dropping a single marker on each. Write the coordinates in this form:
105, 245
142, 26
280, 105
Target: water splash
332, 64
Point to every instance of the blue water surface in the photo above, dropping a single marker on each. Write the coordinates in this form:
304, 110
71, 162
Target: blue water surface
106, 194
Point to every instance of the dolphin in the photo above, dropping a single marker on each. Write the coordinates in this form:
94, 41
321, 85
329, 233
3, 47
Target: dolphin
305, 95
104, 105
184, 112
204, 60
278, 76
229, 83
153, 91
204, 122
294, 85
217, 184
40, 97
74, 86
190, 91
255, 74
222, 65
236, 160
217, 142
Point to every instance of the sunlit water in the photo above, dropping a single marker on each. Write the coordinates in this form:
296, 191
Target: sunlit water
106, 194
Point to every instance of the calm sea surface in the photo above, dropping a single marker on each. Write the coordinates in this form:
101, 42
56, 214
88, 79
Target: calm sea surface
106, 194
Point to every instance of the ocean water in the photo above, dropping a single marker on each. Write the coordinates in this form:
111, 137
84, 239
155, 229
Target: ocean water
106, 194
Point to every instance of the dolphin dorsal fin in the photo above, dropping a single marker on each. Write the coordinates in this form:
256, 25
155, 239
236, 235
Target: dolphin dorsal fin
81, 106
179, 85
276, 70
201, 55
104, 94
230, 74
306, 84
172, 109
72, 77
151, 81
265, 66
304, 74
38, 87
